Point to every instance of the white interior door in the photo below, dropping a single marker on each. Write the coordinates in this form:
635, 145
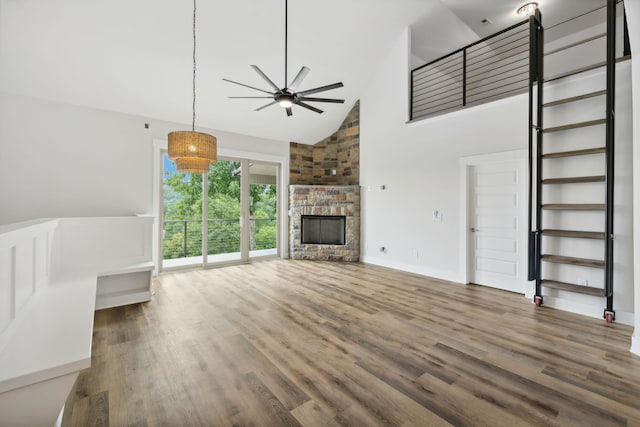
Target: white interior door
497, 225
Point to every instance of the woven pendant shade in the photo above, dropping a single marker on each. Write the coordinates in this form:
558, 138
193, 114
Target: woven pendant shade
192, 151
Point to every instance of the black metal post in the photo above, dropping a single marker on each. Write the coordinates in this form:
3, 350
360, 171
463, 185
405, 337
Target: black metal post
185, 240
609, 314
626, 50
538, 32
532, 79
464, 77
411, 96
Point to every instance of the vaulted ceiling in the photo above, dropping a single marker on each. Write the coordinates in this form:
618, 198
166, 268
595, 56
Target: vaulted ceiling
134, 56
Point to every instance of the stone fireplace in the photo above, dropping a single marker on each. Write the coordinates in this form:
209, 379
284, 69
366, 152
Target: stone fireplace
332, 222
325, 195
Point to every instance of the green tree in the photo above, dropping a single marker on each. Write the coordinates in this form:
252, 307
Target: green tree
183, 201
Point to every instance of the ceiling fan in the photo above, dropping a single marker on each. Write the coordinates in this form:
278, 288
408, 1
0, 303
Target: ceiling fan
287, 96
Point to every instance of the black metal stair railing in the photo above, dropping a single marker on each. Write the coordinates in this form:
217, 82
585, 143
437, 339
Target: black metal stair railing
489, 69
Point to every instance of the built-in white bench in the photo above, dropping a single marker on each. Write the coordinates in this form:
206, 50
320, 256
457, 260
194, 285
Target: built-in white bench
118, 286
53, 275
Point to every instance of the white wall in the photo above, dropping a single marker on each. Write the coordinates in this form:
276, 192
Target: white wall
633, 21
61, 160
418, 164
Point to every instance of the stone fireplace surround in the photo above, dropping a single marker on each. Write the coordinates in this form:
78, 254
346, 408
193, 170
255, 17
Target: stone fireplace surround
329, 200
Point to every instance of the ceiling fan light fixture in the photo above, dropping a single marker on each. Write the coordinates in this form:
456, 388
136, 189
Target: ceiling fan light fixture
527, 9
289, 95
285, 100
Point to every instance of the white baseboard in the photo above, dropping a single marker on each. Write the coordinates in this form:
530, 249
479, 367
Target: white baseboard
635, 342
622, 317
411, 268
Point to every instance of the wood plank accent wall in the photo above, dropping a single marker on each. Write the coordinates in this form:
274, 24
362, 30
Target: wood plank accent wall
313, 164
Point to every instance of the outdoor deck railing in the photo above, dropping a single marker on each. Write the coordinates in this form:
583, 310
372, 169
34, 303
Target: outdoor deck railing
183, 238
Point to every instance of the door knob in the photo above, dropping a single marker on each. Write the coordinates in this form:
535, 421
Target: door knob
473, 229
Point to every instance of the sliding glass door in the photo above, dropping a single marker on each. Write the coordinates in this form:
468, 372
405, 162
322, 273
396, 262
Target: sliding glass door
238, 200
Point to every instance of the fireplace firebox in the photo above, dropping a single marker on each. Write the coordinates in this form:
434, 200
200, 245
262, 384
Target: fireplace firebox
323, 230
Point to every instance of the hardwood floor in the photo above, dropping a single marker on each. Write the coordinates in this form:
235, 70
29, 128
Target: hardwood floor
288, 343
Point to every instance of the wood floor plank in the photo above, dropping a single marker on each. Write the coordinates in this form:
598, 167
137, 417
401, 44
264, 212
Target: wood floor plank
254, 362
542, 395
335, 344
309, 414
271, 412
514, 363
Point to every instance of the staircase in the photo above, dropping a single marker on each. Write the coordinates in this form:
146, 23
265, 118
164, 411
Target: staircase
571, 163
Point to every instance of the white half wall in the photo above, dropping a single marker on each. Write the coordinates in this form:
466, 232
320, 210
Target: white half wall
61, 160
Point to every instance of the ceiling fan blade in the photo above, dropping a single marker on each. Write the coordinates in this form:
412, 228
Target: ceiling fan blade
309, 107
320, 89
250, 97
265, 106
267, 79
289, 112
336, 101
299, 78
250, 87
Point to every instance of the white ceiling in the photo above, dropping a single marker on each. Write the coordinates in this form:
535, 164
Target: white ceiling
463, 22
134, 56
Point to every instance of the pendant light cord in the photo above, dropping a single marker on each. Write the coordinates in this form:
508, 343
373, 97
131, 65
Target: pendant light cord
193, 106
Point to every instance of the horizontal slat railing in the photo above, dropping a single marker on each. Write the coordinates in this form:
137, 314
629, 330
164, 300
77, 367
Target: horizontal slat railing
183, 238
492, 68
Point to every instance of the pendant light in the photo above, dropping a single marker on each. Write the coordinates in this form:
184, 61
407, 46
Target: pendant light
192, 151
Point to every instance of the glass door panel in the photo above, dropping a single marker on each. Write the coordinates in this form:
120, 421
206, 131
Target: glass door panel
182, 217
224, 212
263, 209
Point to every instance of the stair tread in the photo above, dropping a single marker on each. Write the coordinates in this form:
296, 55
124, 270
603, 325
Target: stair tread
574, 233
583, 152
578, 43
574, 206
598, 292
574, 180
575, 98
584, 69
584, 262
575, 125
576, 71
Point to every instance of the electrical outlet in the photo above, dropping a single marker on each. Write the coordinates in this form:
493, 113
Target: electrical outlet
583, 282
